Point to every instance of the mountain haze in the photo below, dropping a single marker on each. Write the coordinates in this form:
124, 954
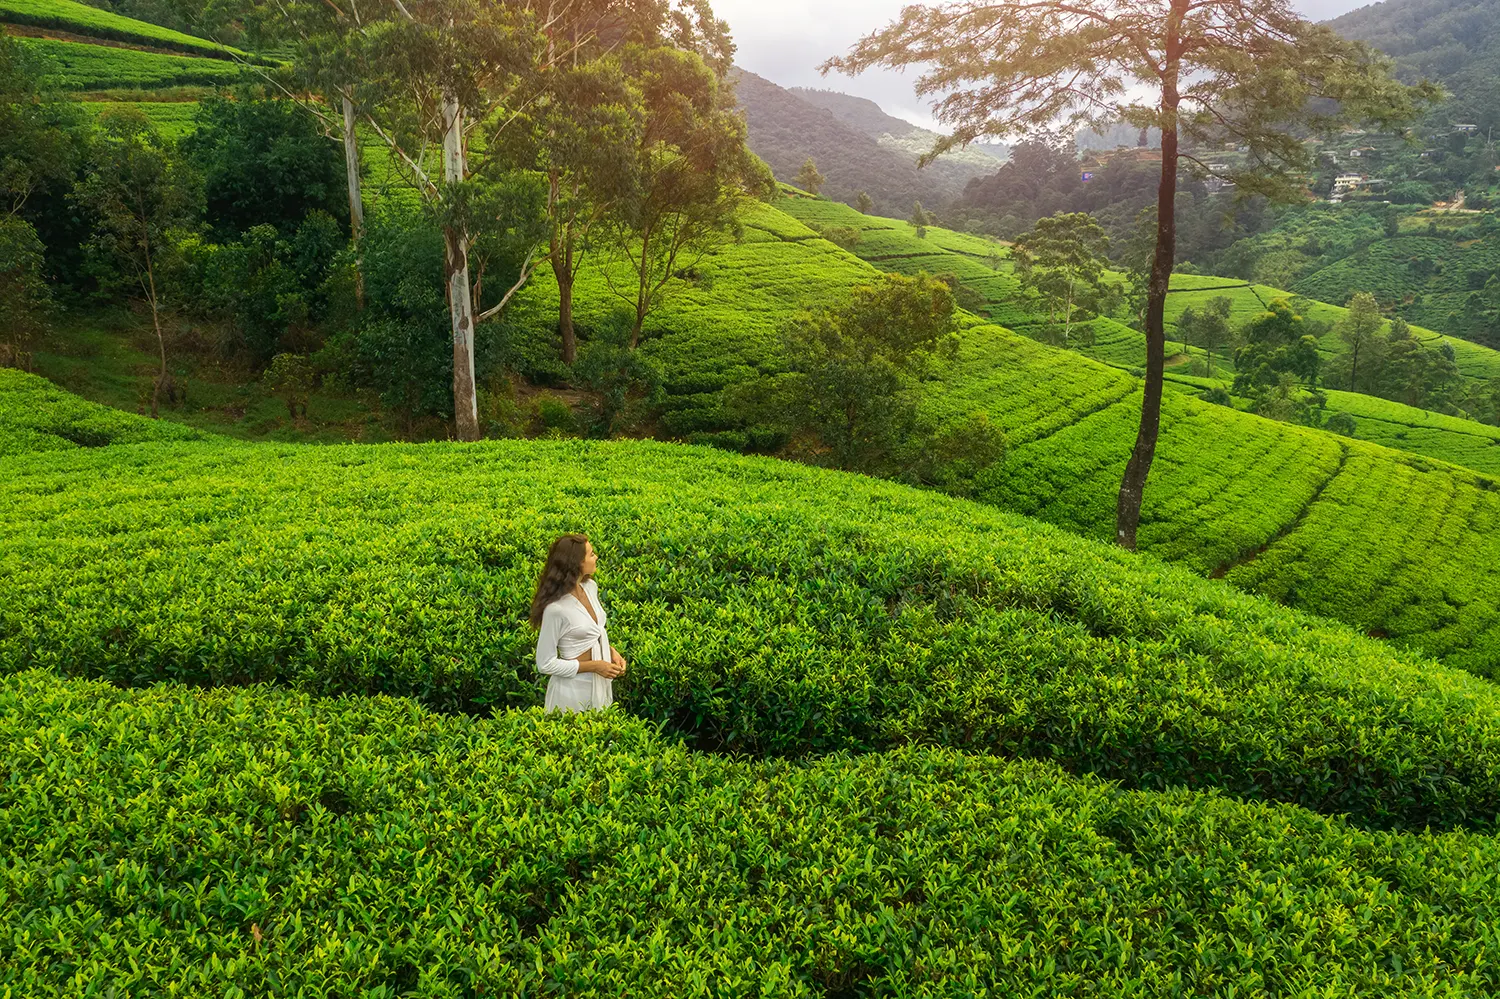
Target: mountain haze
857, 146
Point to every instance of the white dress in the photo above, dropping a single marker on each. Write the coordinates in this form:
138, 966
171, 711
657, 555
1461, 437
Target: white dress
567, 631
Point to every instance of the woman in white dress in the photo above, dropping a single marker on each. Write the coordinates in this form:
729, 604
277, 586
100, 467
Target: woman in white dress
572, 647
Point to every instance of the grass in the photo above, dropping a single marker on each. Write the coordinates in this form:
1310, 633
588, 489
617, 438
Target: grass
171, 119
80, 66
81, 19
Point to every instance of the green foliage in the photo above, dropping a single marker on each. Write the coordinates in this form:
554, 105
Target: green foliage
252, 842
554, 416
38, 416
843, 236
1208, 329
1060, 264
863, 204
82, 19
1342, 424
919, 220
25, 297
264, 161
853, 372
1275, 344
80, 66
291, 377
266, 291
771, 609
808, 178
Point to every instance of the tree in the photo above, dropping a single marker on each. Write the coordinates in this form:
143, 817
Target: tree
290, 377
1207, 328
580, 131
1061, 262
263, 161
919, 219
38, 155
692, 171
864, 203
142, 199
430, 76
808, 178
1246, 71
853, 372
1276, 346
1360, 331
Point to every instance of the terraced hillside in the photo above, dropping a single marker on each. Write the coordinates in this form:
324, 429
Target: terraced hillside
1393, 543
95, 51
891, 245
766, 607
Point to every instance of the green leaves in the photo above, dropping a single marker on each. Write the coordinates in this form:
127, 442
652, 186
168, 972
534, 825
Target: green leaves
239, 842
766, 608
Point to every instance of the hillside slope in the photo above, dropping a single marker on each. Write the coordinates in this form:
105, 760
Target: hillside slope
766, 608
784, 130
1393, 543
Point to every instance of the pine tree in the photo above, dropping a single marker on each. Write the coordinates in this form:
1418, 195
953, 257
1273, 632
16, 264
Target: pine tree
808, 178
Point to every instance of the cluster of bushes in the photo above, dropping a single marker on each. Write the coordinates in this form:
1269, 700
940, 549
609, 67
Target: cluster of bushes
250, 841
767, 608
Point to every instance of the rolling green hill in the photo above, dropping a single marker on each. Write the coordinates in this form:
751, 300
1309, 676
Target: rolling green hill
767, 607
82, 19
1394, 543
81, 66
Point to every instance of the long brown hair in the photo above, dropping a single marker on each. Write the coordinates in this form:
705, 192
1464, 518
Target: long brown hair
561, 573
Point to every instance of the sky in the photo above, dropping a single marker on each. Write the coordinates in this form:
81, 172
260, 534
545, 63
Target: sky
786, 40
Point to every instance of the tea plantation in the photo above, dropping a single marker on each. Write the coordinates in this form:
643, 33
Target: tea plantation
1228, 491
768, 608
254, 842
924, 692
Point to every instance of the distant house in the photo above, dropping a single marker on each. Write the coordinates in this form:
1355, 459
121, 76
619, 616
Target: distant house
1345, 183
1465, 127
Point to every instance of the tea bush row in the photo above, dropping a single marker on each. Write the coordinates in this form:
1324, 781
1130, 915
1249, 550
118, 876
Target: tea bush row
249, 842
36, 415
766, 607
80, 66
81, 19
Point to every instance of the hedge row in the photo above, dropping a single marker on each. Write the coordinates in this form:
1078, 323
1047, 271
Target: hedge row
80, 66
36, 415
82, 19
767, 608
249, 842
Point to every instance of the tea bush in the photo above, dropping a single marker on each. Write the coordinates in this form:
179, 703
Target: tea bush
81, 19
80, 66
767, 608
36, 415
250, 842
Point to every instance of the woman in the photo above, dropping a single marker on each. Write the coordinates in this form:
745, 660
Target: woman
572, 647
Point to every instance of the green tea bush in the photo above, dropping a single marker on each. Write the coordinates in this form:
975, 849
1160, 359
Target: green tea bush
36, 415
767, 608
80, 66
251, 842
81, 19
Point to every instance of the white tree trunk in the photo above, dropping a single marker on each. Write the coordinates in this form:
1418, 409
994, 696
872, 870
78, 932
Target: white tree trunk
356, 202
456, 266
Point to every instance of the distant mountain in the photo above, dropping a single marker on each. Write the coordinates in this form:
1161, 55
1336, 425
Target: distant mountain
1454, 42
857, 146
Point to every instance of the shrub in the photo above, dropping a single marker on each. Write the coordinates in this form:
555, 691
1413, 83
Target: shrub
1341, 424
766, 608
550, 413
250, 843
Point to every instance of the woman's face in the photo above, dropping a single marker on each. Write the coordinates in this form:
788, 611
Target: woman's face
590, 560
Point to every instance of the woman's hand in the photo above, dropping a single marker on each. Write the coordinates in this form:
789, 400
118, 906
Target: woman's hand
617, 659
608, 670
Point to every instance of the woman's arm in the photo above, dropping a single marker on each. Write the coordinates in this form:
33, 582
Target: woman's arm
547, 659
